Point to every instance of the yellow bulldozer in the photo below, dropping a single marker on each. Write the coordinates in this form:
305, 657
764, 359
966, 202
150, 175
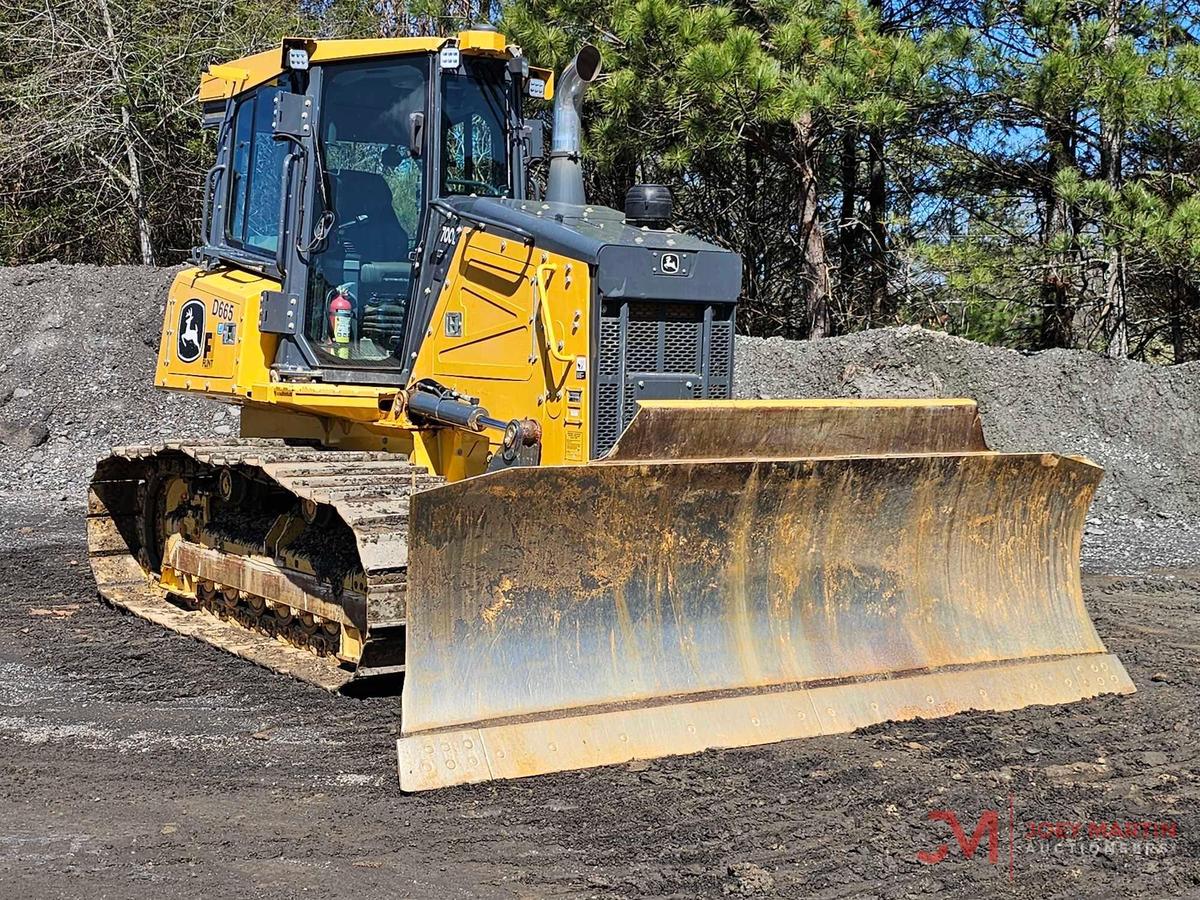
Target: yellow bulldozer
488, 445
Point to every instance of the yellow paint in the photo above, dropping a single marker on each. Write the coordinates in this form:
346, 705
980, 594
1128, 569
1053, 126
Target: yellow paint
508, 354
229, 297
227, 80
346, 416
504, 357
283, 421
351, 647
547, 75
449, 452
554, 344
491, 42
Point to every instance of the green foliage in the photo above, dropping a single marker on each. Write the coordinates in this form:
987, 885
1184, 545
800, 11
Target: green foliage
1072, 160
735, 105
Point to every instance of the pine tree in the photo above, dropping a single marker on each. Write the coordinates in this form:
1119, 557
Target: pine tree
1059, 173
744, 108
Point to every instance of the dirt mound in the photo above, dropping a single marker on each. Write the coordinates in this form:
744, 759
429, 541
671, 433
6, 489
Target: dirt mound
1141, 422
77, 361
77, 357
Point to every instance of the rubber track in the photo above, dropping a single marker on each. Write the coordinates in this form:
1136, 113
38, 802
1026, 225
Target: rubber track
368, 490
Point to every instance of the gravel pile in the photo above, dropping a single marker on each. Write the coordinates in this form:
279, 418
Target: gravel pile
77, 357
1141, 422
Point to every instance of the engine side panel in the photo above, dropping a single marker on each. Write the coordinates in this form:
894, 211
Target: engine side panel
488, 338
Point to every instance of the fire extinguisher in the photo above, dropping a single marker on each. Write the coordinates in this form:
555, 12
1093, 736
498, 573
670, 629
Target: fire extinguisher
341, 318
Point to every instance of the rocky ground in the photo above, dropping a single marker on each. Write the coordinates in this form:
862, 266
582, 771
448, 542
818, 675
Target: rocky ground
1141, 422
136, 763
75, 370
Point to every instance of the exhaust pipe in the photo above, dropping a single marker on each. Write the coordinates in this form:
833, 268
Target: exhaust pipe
565, 183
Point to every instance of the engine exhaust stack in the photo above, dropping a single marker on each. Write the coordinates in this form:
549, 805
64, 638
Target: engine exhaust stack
565, 184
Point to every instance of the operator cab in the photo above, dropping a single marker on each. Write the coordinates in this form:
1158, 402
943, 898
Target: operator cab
389, 134
369, 212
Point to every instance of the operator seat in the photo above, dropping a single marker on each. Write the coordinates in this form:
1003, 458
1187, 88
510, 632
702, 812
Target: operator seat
374, 255
378, 238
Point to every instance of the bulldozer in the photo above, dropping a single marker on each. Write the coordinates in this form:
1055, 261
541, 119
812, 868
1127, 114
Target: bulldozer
489, 451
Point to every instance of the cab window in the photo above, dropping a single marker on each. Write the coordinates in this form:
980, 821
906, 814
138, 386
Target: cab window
255, 174
360, 274
474, 138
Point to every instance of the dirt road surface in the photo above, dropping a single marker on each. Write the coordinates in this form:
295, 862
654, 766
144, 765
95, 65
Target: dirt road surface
139, 764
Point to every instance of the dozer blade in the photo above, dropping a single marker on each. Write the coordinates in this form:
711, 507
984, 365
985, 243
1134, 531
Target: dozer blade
560, 618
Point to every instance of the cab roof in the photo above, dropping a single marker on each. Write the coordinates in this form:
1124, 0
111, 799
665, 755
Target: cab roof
225, 80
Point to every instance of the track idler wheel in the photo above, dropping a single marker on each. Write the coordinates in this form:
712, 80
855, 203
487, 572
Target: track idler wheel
232, 488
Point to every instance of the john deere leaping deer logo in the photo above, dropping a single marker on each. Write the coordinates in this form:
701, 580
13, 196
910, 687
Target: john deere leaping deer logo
189, 342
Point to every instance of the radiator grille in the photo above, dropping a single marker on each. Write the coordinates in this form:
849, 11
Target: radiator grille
641, 338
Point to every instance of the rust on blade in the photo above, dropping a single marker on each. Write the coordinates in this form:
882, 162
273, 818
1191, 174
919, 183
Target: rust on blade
789, 429
539, 593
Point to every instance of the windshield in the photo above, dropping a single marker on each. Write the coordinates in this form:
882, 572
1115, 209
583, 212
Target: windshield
360, 272
473, 135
